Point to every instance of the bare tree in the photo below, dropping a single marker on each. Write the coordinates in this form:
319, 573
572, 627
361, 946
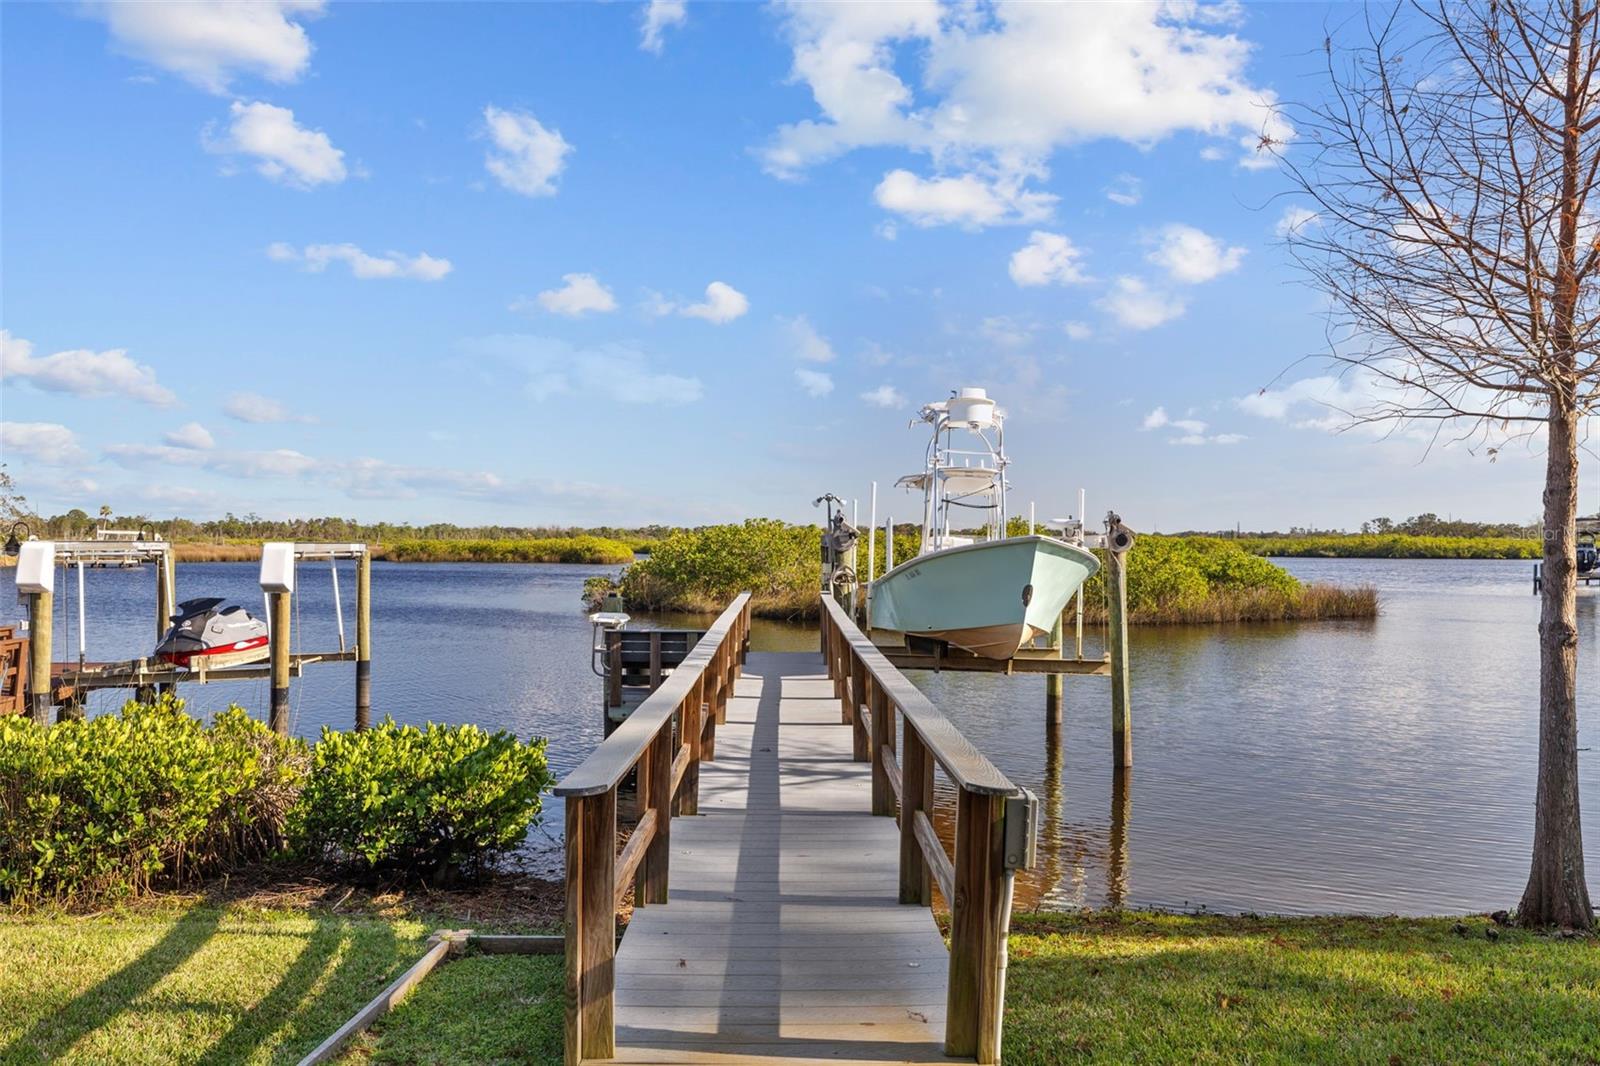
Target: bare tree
1452, 166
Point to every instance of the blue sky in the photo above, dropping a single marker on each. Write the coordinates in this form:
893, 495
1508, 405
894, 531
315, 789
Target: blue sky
596, 263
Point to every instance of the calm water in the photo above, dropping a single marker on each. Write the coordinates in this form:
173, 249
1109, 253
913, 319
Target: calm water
1379, 766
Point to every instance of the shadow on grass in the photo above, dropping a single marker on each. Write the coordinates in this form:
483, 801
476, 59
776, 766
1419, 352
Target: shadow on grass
53, 1035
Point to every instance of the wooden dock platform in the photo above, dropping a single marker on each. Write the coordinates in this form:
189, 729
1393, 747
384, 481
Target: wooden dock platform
783, 939
781, 867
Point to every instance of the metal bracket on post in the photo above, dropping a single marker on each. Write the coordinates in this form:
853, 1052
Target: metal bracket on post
1021, 831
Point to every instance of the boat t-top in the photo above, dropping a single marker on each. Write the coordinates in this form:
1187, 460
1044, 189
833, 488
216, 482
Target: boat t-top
981, 591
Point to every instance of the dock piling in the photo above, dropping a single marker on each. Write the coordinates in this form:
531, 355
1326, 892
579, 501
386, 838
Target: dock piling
364, 640
279, 605
1117, 639
41, 612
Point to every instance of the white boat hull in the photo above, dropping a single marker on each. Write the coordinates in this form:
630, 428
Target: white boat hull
989, 598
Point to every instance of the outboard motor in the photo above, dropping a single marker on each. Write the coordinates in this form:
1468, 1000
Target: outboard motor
204, 633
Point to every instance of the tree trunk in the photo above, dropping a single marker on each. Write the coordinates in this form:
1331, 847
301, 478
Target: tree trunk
1557, 894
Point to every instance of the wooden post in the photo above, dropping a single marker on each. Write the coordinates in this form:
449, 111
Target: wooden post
655, 659
41, 612
916, 794
653, 870
1117, 610
860, 743
883, 802
279, 716
163, 596
613, 669
166, 603
977, 928
591, 927
364, 640
1055, 684
693, 724
722, 685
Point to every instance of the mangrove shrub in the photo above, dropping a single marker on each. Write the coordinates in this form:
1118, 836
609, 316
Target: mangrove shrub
436, 800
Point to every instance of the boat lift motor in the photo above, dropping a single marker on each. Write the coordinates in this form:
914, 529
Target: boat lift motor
838, 548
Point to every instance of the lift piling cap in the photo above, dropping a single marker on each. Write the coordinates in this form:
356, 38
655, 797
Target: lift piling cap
36, 566
277, 567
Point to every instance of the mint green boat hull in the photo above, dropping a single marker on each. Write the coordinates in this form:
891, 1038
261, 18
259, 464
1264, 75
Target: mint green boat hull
989, 598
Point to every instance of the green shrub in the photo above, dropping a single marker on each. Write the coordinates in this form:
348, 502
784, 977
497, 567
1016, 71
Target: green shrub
101, 808
702, 569
438, 800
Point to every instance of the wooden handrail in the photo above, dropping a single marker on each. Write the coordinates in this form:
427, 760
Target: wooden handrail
968, 767
605, 768
977, 883
664, 739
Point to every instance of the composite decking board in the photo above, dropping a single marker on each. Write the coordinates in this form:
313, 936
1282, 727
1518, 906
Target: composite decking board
783, 903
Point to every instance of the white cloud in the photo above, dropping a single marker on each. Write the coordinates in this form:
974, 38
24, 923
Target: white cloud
190, 435
260, 410
526, 157
81, 372
317, 257
1191, 432
1077, 331
809, 345
49, 443
1193, 256
1047, 258
581, 294
658, 15
1125, 190
723, 303
1005, 331
968, 200
284, 150
1322, 402
1137, 306
209, 42
996, 90
815, 382
884, 396
276, 463
610, 372
1293, 219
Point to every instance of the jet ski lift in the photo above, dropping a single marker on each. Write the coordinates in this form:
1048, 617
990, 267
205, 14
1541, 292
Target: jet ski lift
188, 649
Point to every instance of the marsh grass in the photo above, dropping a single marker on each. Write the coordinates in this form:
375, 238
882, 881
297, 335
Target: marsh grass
1391, 546
1308, 603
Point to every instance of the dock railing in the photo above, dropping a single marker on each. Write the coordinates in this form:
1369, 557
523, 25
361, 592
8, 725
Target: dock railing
665, 738
994, 823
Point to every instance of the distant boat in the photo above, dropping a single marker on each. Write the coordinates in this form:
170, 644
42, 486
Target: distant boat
989, 594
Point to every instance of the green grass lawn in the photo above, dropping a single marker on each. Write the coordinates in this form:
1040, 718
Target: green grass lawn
1166, 988
239, 984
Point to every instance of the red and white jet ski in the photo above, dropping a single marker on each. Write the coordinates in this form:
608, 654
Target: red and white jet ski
204, 633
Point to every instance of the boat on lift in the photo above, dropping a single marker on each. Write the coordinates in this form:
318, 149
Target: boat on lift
205, 633
988, 594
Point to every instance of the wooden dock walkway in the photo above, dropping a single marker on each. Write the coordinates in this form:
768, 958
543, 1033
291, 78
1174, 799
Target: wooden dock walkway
783, 938
787, 799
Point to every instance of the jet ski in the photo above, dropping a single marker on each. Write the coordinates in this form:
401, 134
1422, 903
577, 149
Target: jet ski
204, 633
